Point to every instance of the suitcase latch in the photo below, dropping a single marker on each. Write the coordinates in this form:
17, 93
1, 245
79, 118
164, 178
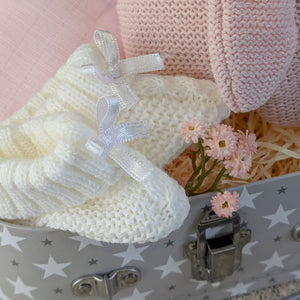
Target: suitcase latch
215, 258
106, 285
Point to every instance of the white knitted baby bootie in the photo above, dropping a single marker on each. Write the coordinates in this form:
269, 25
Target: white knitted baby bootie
44, 164
152, 206
165, 102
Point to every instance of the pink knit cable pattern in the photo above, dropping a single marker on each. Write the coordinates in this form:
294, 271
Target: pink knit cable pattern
251, 45
283, 109
176, 29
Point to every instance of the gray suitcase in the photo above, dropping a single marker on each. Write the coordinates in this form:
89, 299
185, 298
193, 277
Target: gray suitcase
46, 264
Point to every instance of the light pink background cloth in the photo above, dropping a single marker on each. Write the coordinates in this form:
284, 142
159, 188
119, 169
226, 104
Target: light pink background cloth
36, 38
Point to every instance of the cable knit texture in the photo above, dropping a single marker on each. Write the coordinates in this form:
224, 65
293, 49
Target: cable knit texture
248, 46
60, 125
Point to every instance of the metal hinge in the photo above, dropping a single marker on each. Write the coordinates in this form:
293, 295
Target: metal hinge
215, 258
106, 285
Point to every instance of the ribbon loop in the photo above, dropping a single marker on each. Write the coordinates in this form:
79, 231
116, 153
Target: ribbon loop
107, 111
112, 138
108, 46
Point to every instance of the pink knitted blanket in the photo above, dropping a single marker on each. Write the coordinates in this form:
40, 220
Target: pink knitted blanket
249, 47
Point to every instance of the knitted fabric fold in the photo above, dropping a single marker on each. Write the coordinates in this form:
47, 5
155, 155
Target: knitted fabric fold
45, 167
247, 47
283, 108
130, 211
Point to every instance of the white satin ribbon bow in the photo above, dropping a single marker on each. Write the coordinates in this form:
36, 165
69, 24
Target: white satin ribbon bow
112, 138
110, 69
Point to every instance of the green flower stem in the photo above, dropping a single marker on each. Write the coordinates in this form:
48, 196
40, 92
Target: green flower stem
191, 180
211, 168
200, 181
194, 160
202, 168
203, 176
218, 178
202, 156
188, 187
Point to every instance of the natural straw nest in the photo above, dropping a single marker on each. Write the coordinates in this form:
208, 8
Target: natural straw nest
278, 151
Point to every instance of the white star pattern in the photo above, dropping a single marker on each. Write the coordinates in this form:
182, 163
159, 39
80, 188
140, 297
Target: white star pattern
200, 283
215, 284
53, 268
246, 199
21, 288
3, 296
132, 253
84, 241
170, 267
240, 288
247, 248
137, 295
9, 240
280, 216
297, 274
274, 261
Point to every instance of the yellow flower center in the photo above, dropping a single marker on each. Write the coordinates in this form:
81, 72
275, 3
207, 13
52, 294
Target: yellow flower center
225, 204
222, 144
191, 127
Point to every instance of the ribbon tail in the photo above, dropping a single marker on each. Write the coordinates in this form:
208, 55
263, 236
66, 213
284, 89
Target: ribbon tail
127, 96
90, 71
141, 64
123, 133
94, 146
132, 162
109, 173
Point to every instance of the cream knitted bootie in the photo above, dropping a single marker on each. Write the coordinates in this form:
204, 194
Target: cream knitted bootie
165, 103
132, 211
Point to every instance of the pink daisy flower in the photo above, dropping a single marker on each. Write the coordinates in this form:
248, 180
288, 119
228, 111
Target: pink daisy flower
240, 162
192, 130
225, 204
222, 142
248, 141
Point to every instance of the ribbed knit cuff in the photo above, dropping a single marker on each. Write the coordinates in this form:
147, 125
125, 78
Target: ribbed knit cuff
45, 166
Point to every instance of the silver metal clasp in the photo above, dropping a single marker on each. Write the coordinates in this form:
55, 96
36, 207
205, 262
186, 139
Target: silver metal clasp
215, 258
106, 285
